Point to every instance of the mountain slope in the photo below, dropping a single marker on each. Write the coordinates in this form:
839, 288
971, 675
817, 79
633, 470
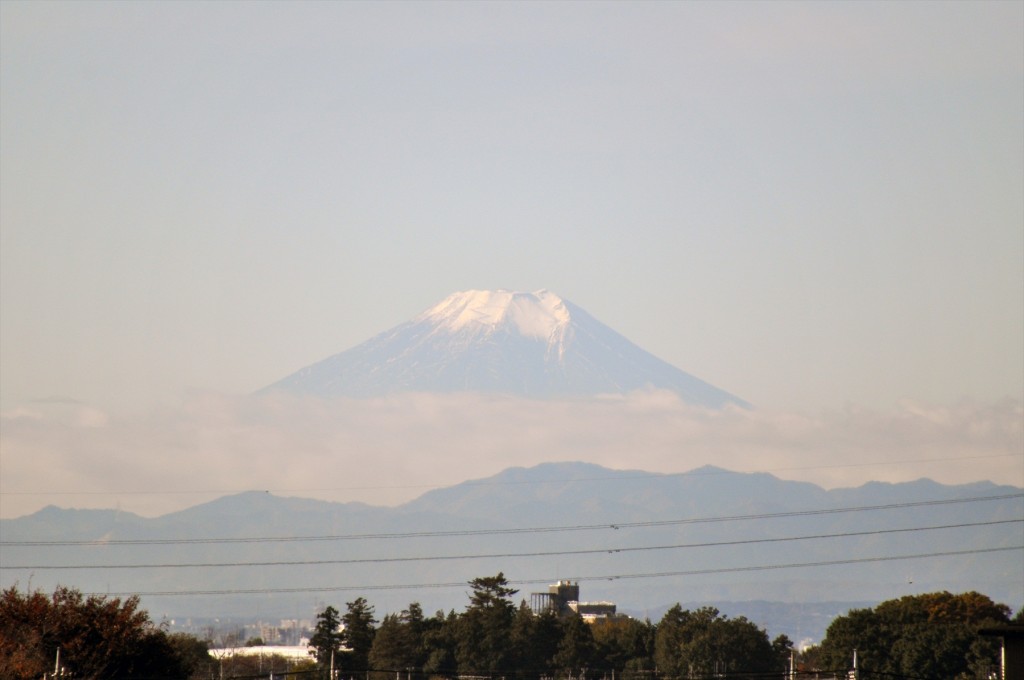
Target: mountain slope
549, 490
533, 344
637, 538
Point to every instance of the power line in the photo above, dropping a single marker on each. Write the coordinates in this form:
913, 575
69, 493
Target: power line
523, 530
552, 553
605, 577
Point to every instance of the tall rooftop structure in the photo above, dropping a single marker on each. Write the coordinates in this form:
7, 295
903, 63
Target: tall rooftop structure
563, 598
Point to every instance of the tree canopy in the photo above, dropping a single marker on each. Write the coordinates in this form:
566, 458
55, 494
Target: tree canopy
704, 643
930, 635
495, 637
922, 636
97, 637
325, 643
357, 634
934, 635
485, 628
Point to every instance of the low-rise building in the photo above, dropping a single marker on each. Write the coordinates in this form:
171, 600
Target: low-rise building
563, 598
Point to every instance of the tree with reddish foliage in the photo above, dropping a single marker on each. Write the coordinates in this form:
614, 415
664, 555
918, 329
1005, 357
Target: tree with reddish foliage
97, 637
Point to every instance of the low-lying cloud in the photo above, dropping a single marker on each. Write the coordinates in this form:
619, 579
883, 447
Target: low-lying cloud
390, 450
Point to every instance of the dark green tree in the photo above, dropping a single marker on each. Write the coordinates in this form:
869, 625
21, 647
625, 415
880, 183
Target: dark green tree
440, 640
929, 635
535, 639
357, 634
484, 631
704, 643
576, 647
782, 646
398, 644
859, 629
417, 626
389, 651
325, 643
194, 654
669, 638
626, 646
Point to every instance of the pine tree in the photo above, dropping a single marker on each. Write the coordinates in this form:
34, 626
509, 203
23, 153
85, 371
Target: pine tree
484, 631
358, 634
325, 643
398, 644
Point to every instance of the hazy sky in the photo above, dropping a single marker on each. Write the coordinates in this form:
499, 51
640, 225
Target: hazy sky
818, 207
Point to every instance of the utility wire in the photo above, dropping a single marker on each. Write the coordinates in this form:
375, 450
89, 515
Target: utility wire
605, 577
377, 560
525, 530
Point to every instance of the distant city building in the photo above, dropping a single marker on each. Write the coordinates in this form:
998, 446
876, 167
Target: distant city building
294, 652
595, 611
563, 598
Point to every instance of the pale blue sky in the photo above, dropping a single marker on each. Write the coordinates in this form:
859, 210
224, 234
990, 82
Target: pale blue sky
807, 204
818, 207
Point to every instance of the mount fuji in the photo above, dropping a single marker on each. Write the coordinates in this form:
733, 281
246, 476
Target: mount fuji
529, 344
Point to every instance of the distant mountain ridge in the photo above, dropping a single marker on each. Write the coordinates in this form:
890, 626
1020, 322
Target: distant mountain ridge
710, 527
531, 344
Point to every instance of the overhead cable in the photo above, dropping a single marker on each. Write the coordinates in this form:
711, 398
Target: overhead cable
603, 577
522, 530
550, 553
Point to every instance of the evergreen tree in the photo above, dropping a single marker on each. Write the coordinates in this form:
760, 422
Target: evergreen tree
484, 630
625, 646
325, 643
416, 627
398, 644
576, 647
389, 645
357, 634
440, 640
535, 639
668, 640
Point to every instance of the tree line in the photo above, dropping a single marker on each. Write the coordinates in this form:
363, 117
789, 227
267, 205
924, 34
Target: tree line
934, 635
495, 638
922, 636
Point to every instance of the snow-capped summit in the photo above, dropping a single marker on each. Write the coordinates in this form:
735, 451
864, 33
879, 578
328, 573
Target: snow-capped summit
540, 314
534, 344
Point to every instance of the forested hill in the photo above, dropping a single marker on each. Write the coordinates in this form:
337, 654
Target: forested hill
639, 539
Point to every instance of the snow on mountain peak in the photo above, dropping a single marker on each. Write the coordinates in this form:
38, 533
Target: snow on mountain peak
499, 341
540, 314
